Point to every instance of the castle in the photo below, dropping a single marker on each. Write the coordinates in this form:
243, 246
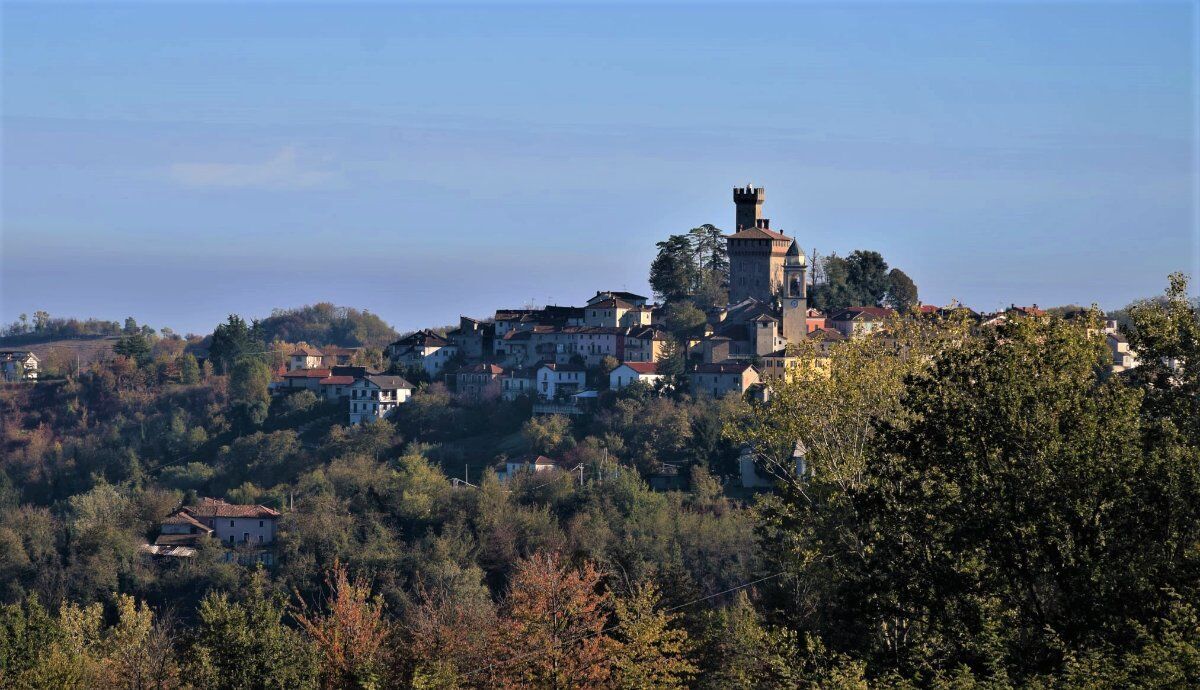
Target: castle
768, 301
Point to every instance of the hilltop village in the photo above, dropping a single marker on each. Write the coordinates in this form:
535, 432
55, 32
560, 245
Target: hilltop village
562, 356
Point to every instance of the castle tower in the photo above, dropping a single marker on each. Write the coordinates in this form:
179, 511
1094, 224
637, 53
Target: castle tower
795, 296
756, 252
749, 201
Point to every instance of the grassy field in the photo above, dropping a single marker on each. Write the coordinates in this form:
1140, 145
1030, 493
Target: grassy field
57, 352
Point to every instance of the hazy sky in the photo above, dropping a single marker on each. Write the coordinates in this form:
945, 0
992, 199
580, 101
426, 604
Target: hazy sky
181, 162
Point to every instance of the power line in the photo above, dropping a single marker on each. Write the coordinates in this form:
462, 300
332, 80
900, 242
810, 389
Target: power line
609, 628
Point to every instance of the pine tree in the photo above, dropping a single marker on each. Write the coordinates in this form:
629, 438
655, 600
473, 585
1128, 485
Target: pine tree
653, 652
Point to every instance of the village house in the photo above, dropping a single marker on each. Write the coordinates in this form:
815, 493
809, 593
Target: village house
473, 338
424, 349
815, 319
376, 397
856, 321
332, 356
335, 387
308, 379
723, 378
634, 372
615, 312
531, 462
179, 536
559, 381
18, 365
233, 524
517, 382
305, 357
630, 297
479, 382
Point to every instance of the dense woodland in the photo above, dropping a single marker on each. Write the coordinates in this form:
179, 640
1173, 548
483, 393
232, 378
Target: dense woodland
979, 508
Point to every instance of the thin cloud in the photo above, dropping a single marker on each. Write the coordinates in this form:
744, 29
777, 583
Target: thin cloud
283, 171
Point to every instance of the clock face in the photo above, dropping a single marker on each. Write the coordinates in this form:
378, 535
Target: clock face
795, 303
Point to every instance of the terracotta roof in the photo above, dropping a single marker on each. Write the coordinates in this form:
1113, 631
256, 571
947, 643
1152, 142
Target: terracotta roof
306, 352
642, 367
826, 334
214, 507
536, 459
307, 374
757, 234
182, 518
494, 369
337, 381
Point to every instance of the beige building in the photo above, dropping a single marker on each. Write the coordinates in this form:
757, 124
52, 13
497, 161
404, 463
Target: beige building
723, 378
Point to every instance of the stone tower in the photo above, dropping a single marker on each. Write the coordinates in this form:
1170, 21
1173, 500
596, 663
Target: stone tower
795, 296
756, 252
749, 201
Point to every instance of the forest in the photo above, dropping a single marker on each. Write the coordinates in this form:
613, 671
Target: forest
977, 508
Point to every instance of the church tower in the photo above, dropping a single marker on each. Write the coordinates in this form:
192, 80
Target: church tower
795, 296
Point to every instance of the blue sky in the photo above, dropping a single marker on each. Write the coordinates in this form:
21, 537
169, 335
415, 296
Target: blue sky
179, 162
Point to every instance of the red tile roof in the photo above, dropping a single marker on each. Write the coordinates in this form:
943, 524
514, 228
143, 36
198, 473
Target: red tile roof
757, 234
722, 368
216, 508
306, 352
307, 374
337, 381
643, 367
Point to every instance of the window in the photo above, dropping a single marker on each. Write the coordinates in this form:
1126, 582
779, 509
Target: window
260, 523
231, 523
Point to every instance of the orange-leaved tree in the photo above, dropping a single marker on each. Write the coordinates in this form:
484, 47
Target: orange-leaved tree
349, 632
552, 632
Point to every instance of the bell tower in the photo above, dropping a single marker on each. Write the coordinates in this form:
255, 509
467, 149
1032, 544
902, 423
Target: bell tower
795, 295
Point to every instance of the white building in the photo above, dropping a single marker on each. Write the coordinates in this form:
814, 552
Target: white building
18, 365
560, 380
424, 349
531, 462
376, 397
517, 382
233, 524
634, 372
305, 357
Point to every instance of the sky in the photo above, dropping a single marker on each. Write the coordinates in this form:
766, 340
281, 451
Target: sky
181, 162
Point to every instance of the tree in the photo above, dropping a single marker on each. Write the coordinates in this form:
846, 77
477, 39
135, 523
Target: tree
673, 272
1165, 333
189, 369
683, 317
134, 346
653, 652
247, 645
249, 389
901, 291
233, 340
1015, 510
547, 434
553, 627
349, 634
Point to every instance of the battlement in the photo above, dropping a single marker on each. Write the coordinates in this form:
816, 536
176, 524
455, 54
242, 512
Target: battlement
749, 201
749, 195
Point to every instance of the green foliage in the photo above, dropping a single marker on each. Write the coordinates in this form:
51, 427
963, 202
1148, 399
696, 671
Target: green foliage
234, 341
134, 346
653, 651
694, 266
246, 644
861, 279
189, 370
325, 324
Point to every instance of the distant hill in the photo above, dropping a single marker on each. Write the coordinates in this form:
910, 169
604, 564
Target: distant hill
326, 324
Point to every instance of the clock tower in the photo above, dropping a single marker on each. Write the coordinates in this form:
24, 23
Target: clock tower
795, 297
